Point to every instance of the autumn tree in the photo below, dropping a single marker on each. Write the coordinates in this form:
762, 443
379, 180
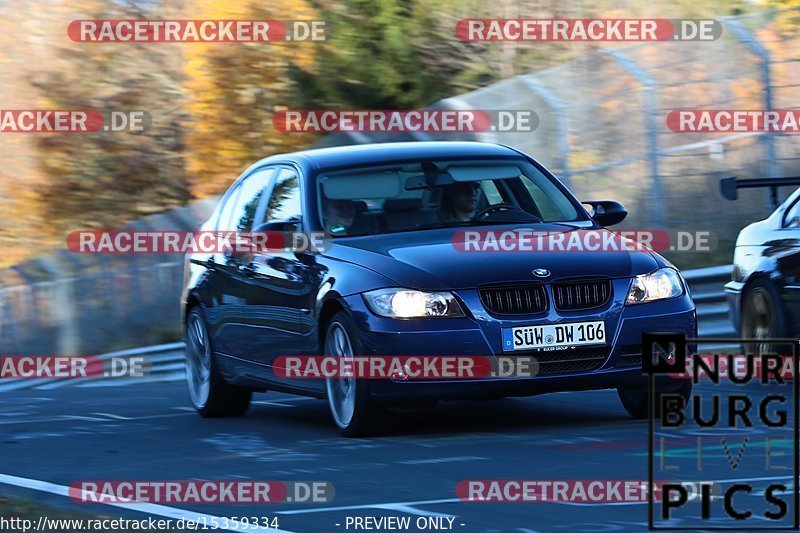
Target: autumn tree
105, 178
234, 89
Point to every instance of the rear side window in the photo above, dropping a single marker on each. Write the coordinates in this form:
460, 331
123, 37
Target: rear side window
284, 203
240, 209
253, 189
223, 221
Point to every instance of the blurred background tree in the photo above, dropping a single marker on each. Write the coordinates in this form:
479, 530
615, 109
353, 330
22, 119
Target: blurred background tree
789, 18
233, 90
402, 54
103, 179
372, 59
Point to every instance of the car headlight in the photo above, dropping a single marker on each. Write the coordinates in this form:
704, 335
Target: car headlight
408, 303
662, 284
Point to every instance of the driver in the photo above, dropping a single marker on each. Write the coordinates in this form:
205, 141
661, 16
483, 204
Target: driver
459, 201
341, 215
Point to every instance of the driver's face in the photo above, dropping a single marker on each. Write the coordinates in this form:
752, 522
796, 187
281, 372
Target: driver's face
341, 212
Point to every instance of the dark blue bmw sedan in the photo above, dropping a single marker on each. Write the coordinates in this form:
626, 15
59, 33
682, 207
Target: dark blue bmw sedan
396, 278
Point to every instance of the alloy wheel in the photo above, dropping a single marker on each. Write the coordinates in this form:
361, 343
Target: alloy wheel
198, 361
341, 389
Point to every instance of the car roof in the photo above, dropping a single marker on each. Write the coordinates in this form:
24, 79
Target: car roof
376, 153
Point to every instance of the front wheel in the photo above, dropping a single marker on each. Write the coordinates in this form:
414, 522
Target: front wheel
635, 398
210, 394
348, 398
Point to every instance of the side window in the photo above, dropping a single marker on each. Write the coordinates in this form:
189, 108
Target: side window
792, 217
252, 190
491, 193
223, 221
284, 204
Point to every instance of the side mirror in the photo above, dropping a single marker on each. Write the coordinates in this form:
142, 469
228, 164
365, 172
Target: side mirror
607, 212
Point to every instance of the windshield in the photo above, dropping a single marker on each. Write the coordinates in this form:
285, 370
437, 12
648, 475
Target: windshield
431, 194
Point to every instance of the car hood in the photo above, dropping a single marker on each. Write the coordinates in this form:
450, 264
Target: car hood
429, 260
759, 233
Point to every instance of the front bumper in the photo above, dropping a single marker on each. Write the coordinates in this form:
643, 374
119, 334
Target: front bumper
479, 335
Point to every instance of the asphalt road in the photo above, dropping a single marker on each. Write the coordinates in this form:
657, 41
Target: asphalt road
148, 432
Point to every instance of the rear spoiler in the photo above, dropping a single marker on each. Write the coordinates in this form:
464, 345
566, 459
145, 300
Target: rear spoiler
729, 186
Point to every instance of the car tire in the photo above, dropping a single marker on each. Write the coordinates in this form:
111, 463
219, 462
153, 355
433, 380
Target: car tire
763, 315
209, 393
348, 399
635, 398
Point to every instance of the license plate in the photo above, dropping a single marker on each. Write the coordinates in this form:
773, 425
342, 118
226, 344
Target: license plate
554, 336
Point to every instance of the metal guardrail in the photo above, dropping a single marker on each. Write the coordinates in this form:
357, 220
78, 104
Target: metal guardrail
167, 360
706, 288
